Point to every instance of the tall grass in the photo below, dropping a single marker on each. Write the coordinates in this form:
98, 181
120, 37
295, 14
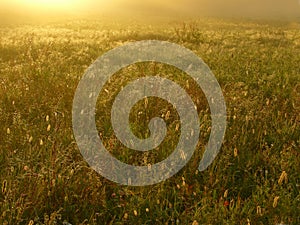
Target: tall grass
254, 179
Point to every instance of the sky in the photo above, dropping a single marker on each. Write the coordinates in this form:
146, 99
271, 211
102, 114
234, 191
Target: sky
276, 9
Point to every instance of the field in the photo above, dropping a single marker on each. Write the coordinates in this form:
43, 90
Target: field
255, 178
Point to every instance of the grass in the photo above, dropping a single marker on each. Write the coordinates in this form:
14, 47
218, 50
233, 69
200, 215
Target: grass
254, 179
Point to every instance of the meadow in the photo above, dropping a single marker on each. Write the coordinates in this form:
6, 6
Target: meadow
254, 179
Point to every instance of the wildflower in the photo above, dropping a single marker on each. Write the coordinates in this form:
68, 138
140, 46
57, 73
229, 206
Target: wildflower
26, 168
275, 202
226, 203
30, 139
147, 210
135, 212
125, 216
8, 131
113, 195
41, 142
47, 118
49, 127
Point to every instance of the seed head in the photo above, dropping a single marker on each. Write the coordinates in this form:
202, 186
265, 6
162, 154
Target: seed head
248, 222
195, 222
258, 210
275, 202
235, 152
226, 193
283, 178
167, 116
4, 186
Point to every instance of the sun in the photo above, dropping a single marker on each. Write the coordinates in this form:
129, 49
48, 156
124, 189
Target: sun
58, 7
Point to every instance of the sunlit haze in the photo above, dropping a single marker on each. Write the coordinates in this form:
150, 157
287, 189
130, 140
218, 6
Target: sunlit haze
230, 8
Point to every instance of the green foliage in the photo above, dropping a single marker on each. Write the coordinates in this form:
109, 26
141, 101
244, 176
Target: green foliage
45, 180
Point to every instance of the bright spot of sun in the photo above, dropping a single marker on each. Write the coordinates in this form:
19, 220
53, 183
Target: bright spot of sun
57, 5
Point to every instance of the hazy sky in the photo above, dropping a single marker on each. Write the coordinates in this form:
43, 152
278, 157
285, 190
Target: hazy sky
247, 8
231, 8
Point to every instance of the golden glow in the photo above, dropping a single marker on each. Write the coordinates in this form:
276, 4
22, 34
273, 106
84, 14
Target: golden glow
45, 6
232, 8
51, 4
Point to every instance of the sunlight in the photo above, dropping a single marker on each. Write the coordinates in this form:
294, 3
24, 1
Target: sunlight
52, 4
55, 5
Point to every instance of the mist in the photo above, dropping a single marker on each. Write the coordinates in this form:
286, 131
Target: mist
256, 9
270, 9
